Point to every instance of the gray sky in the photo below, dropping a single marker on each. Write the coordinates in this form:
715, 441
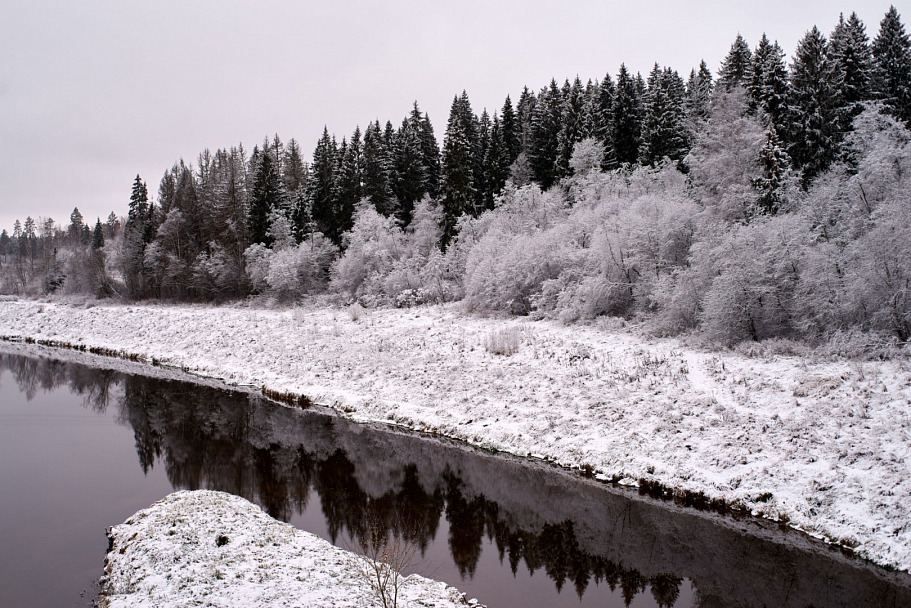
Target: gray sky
93, 92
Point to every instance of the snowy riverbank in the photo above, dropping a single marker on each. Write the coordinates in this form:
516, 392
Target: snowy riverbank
214, 549
825, 444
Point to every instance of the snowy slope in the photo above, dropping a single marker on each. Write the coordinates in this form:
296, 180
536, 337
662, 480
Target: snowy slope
208, 548
825, 444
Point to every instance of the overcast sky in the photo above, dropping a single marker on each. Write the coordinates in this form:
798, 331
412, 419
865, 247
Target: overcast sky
94, 92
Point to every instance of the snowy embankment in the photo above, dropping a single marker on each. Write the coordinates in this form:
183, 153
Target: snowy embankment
208, 548
823, 444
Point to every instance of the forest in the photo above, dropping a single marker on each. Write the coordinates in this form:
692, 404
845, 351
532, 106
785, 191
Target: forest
769, 200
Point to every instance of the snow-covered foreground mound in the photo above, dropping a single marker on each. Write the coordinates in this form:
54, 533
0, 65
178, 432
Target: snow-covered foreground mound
207, 548
825, 445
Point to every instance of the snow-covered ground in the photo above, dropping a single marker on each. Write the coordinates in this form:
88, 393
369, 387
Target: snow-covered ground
207, 548
824, 444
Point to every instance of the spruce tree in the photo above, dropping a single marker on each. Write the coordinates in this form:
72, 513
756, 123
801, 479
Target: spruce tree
626, 121
263, 200
570, 127
524, 111
892, 65
349, 181
607, 92
411, 172
430, 151
510, 130
479, 156
321, 193
377, 170
816, 105
775, 164
849, 49
545, 132
735, 68
496, 163
772, 93
699, 93
664, 133
136, 237
458, 166
98, 235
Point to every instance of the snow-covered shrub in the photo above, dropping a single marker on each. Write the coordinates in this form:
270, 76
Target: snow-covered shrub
303, 269
257, 258
503, 341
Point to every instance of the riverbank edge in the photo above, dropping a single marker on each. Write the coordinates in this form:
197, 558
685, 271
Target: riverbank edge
676, 494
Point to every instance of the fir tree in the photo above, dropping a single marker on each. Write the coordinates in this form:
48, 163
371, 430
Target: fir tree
735, 68
136, 237
411, 171
892, 65
849, 49
770, 89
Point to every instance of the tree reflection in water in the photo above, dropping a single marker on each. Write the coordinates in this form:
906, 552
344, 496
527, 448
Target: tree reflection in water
378, 482
214, 439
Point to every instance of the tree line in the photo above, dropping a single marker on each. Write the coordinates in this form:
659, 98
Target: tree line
384, 212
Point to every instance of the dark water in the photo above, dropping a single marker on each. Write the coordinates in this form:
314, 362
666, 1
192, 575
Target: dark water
82, 448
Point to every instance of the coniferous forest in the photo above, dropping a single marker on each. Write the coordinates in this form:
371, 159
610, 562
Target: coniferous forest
769, 200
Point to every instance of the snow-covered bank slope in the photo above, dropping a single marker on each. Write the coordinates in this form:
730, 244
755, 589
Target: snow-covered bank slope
825, 444
208, 548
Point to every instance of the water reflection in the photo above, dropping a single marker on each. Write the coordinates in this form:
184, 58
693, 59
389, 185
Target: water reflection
538, 519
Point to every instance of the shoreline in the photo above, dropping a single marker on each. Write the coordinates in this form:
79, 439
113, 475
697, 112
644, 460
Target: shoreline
361, 363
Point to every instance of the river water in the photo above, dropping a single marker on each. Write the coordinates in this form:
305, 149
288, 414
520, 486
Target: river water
85, 442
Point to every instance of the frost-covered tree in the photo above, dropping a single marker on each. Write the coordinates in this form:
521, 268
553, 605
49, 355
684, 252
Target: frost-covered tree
699, 89
571, 127
849, 49
378, 171
321, 192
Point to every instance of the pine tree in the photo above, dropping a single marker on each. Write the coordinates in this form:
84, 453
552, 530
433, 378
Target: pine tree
735, 68
817, 106
458, 165
892, 65
570, 127
626, 121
